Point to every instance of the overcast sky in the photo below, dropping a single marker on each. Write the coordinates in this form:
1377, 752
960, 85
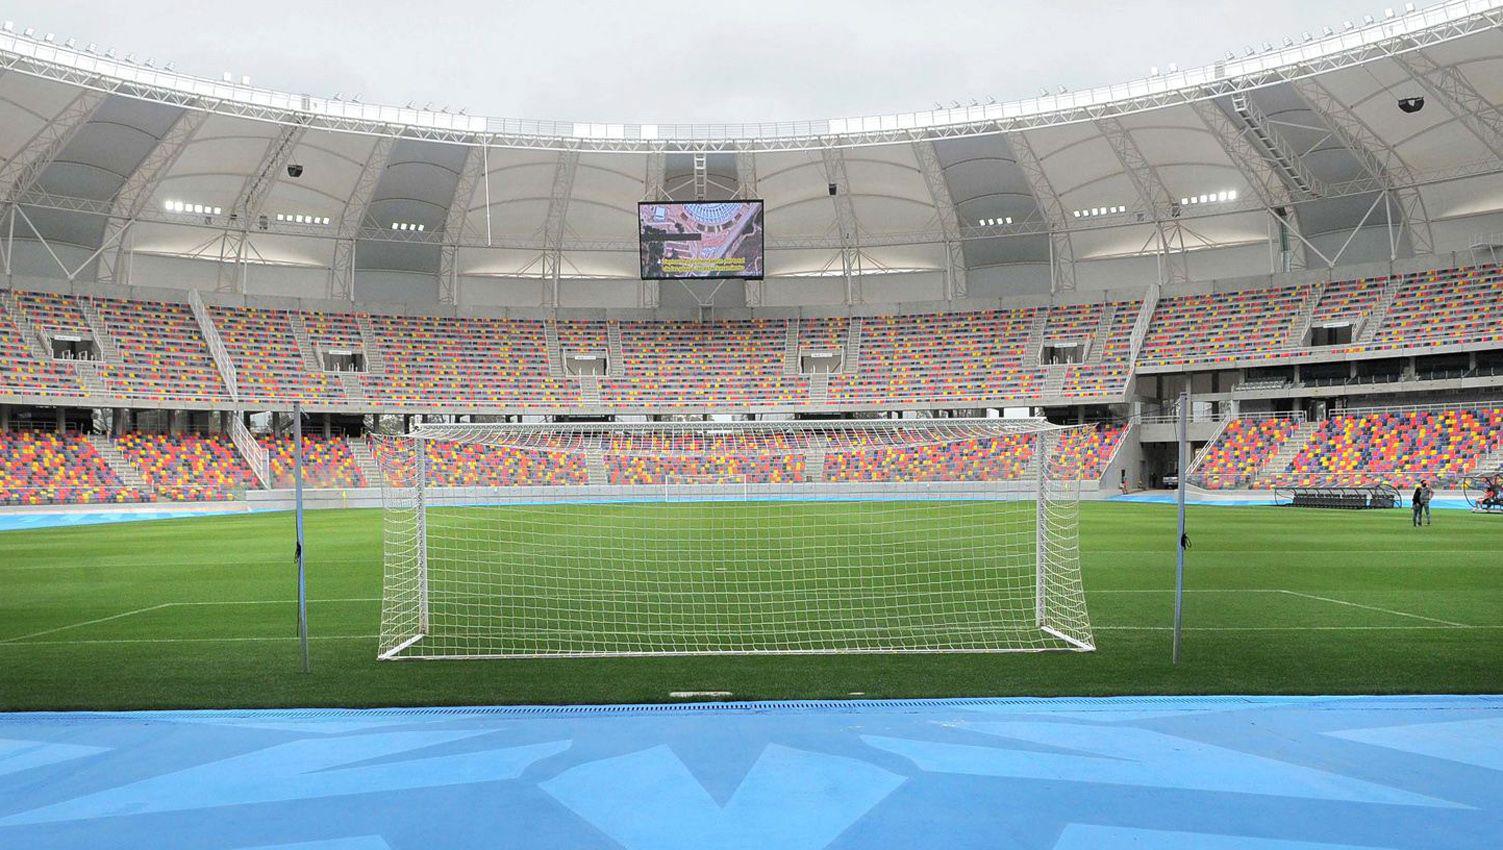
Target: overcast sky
677, 61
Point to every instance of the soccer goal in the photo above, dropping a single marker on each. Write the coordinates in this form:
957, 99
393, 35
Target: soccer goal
541, 540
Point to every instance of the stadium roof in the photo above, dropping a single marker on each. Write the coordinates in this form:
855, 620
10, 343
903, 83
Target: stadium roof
101, 153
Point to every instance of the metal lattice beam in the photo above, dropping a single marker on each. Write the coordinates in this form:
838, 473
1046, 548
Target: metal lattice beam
1156, 199
701, 176
1271, 186
1061, 248
22, 171
948, 216
1436, 25
746, 174
1386, 170
1030, 225
657, 167
454, 226
353, 218
845, 221
554, 223
1260, 132
136, 192
1450, 86
248, 204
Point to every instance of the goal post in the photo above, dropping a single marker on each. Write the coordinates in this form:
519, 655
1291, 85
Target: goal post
679, 538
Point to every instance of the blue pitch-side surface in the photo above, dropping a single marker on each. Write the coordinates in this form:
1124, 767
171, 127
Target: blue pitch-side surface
1074, 774
1168, 497
58, 519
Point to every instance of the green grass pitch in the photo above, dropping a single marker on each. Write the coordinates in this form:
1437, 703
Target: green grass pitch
197, 613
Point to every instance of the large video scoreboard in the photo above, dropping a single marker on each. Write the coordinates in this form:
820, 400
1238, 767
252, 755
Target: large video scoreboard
700, 239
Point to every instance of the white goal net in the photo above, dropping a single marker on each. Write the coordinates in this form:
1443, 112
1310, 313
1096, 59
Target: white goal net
515, 540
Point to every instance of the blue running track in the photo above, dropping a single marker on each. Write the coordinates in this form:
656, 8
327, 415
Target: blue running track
1409, 773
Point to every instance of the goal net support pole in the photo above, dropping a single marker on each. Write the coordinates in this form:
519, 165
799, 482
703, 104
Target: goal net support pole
550, 540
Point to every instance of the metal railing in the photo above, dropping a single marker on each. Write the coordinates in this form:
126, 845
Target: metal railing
254, 454
1141, 324
216, 346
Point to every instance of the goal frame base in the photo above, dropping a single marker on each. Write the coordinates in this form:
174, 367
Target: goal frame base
396, 652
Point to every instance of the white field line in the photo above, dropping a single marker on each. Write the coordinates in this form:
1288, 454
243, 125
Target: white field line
87, 623
1094, 628
276, 601
1376, 608
1100, 628
1317, 597
27, 637
185, 640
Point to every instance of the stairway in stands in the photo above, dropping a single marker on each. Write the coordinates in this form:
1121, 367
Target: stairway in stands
851, 363
23, 324
1285, 455
109, 351
814, 458
129, 475
791, 365
1054, 382
1380, 310
375, 361
551, 346
89, 378
595, 462
616, 366
1034, 348
361, 450
1103, 328
305, 344
819, 388
589, 389
1299, 328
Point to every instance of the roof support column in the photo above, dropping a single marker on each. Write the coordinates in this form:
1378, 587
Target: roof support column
247, 208
22, 170
553, 224
845, 222
1272, 186
342, 273
1378, 159
135, 193
949, 219
454, 225
1174, 267
1061, 248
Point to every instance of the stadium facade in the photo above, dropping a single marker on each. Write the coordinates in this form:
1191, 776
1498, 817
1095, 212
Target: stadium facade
1291, 231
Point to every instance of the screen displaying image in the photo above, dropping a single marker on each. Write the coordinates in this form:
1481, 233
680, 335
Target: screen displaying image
700, 239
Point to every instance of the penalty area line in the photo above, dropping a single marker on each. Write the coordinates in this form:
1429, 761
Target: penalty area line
56, 629
185, 640
1377, 608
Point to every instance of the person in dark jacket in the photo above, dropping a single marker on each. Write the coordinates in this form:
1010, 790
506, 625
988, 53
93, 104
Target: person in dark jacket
1417, 503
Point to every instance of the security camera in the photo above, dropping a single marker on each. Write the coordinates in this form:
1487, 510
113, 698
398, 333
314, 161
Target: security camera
1411, 105
294, 171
